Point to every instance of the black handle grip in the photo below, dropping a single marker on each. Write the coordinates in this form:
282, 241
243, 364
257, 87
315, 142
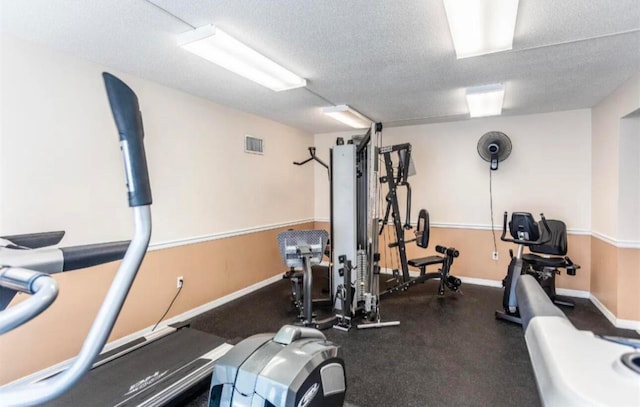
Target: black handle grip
546, 226
396, 244
126, 113
449, 251
79, 257
504, 227
303, 162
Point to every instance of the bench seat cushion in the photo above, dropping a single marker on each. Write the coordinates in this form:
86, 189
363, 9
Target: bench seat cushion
426, 261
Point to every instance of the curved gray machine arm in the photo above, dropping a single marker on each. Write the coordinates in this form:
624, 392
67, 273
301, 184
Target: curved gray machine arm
44, 291
572, 367
124, 105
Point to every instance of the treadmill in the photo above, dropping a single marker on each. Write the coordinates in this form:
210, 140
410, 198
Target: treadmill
167, 364
159, 369
151, 371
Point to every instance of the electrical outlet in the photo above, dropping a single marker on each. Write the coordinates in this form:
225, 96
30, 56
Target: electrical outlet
494, 256
179, 282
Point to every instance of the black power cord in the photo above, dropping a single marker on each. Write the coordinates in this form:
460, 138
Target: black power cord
168, 308
493, 230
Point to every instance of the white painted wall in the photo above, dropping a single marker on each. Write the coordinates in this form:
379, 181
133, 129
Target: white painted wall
60, 165
629, 209
605, 188
548, 170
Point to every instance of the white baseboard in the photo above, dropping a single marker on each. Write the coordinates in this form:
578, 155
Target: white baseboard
567, 292
143, 332
220, 301
194, 312
481, 281
617, 322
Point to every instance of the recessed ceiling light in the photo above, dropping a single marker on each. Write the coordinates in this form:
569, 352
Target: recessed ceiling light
348, 116
213, 44
481, 26
485, 100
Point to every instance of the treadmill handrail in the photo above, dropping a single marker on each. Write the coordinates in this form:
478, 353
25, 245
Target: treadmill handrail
126, 112
37, 393
43, 288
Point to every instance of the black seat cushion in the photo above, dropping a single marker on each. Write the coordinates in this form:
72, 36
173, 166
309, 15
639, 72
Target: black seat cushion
535, 260
425, 261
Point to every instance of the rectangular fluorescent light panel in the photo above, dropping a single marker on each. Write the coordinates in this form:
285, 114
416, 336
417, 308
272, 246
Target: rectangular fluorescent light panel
485, 100
348, 116
481, 26
214, 45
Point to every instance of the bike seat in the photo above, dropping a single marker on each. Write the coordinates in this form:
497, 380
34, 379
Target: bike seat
540, 261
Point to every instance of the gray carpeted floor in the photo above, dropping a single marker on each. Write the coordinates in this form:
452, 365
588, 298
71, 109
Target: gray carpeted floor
447, 351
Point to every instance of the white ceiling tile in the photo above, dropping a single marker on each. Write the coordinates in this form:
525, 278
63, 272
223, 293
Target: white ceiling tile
391, 60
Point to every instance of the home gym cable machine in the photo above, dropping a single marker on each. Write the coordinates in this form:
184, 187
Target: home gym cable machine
353, 252
354, 225
394, 178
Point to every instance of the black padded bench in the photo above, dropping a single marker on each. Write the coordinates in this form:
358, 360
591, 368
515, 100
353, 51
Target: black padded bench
452, 282
423, 262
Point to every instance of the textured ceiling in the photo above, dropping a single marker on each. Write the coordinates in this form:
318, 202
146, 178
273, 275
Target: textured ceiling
392, 60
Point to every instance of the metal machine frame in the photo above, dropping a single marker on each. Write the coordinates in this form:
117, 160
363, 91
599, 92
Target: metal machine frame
394, 180
354, 223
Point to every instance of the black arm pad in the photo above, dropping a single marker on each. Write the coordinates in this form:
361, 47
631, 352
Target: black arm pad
449, 251
79, 257
126, 113
36, 240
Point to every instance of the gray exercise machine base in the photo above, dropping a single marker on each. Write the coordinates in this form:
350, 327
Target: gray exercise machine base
295, 367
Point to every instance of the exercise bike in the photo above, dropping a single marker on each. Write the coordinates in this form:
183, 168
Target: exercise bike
524, 231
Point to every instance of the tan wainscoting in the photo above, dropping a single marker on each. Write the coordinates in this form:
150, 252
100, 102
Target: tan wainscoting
615, 278
211, 270
604, 278
629, 284
608, 273
476, 248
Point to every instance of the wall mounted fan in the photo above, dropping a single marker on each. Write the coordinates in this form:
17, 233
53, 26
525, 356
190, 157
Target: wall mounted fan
494, 146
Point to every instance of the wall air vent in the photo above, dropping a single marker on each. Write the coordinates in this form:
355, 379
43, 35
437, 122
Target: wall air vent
253, 145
